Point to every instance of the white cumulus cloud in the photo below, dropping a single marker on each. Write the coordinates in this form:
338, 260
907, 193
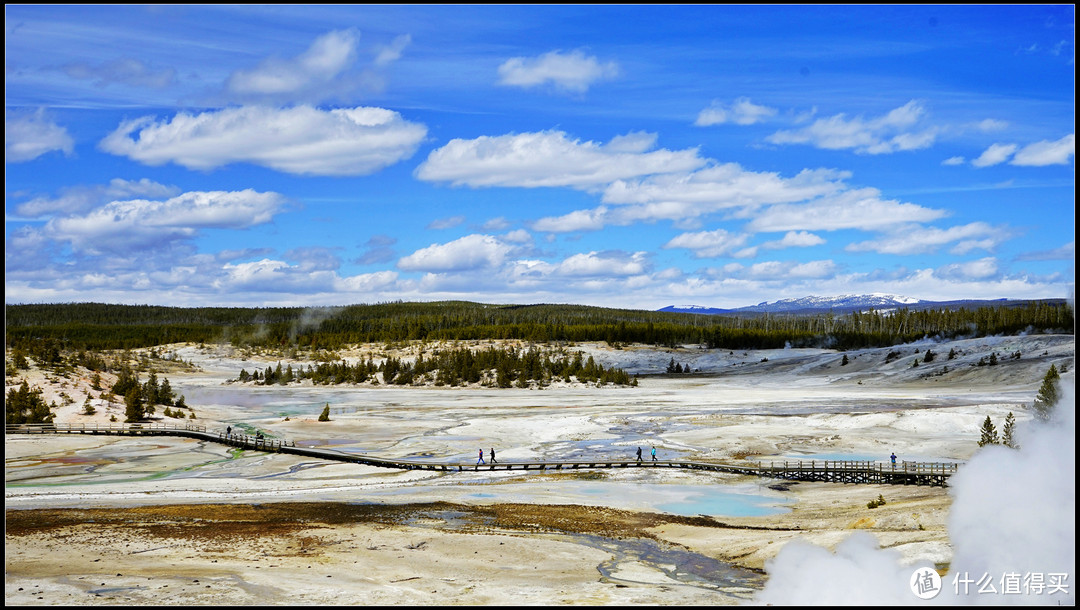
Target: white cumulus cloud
591, 264
141, 223
709, 244
984, 268
852, 209
578, 220
572, 71
470, 252
298, 140
549, 158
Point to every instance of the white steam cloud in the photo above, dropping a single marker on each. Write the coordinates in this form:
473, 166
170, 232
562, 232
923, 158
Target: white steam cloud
1012, 526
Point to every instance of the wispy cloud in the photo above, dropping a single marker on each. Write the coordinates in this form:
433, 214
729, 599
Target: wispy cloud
1045, 152
445, 223
774, 270
1037, 154
741, 112
909, 239
123, 71
28, 136
574, 71
392, 52
892, 132
314, 258
78, 199
1064, 253
989, 125
995, 154
299, 140
316, 72
377, 250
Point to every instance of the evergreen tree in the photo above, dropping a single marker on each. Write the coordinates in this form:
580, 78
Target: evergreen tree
27, 406
125, 380
133, 405
151, 390
325, 415
1007, 432
1048, 394
166, 395
19, 358
989, 433
502, 377
844, 360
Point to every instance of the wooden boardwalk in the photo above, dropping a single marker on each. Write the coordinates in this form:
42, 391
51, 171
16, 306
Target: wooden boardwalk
838, 471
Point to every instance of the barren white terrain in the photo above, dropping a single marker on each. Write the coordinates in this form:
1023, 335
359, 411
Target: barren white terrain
626, 536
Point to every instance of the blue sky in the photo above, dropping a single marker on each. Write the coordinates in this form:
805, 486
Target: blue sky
619, 156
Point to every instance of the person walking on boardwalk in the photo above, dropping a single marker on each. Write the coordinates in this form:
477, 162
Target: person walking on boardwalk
893, 458
492, 452
654, 453
228, 431
639, 455
481, 460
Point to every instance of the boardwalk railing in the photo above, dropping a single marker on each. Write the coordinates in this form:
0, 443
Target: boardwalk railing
236, 439
108, 428
845, 471
838, 471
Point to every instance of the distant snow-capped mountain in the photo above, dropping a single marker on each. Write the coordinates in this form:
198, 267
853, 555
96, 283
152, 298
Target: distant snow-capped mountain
848, 301
841, 303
